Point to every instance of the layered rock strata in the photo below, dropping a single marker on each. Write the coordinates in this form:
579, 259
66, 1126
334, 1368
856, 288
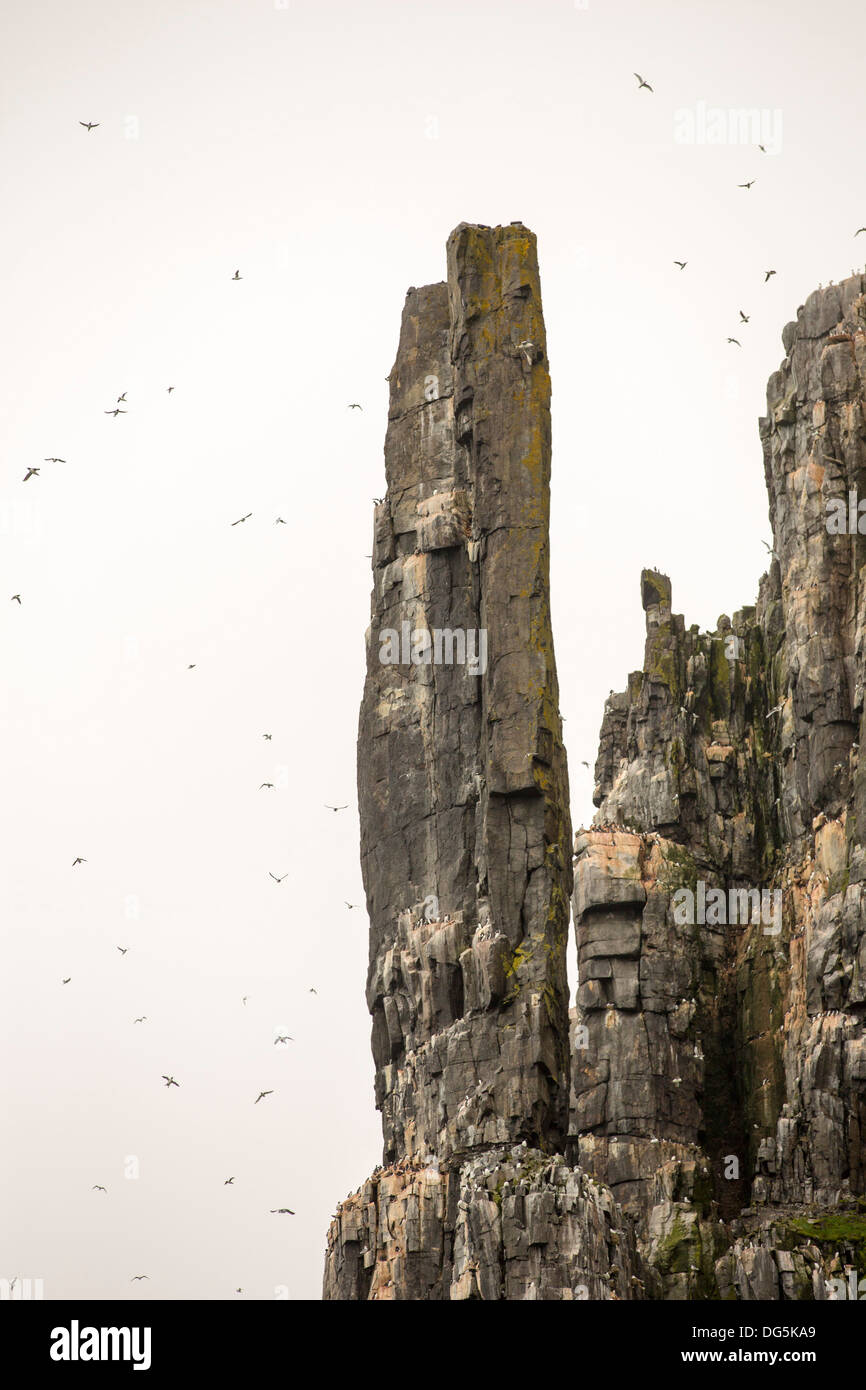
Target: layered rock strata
721, 1086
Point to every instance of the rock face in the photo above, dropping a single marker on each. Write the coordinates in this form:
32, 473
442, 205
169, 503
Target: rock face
462, 780
721, 923
696, 1128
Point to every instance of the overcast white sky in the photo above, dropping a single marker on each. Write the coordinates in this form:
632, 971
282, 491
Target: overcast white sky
326, 151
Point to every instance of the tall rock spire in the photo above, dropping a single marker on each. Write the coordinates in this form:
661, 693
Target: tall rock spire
465, 830
462, 780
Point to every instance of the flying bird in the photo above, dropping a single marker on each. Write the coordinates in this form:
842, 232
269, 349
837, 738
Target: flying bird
31, 473
859, 230
353, 405
583, 763
191, 666
735, 340
66, 981
143, 1019
682, 264
336, 808
268, 736
90, 125
747, 185
123, 950
169, 1080
642, 83
96, 1188
228, 1182
54, 460
139, 1276
744, 318
16, 598
283, 1038
79, 860
266, 784
120, 398
261, 1095
763, 149
281, 1211
351, 905
279, 522
245, 998
237, 275
274, 877
116, 411
313, 991
169, 389
768, 273
242, 518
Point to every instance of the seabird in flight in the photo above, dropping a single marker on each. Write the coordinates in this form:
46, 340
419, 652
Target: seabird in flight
261, 1095
169, 1080
31, 473
90, 125
642, 83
